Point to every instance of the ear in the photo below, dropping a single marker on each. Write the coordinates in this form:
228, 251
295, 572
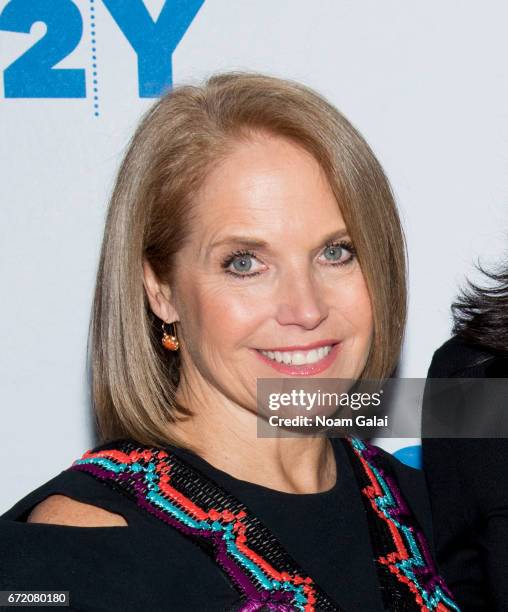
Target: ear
159, 295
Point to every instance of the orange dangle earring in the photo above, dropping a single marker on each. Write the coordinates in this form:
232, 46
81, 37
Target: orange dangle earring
170, 342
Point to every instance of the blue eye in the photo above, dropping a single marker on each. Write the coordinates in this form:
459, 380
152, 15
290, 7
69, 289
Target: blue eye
241, 262
340, 253
335, 252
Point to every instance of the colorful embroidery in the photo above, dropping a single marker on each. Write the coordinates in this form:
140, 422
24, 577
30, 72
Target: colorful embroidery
400, 547
166, 486
264, 574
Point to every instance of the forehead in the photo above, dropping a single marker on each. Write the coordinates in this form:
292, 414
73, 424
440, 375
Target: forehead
268, 185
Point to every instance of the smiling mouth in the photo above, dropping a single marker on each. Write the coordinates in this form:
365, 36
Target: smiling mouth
298, 357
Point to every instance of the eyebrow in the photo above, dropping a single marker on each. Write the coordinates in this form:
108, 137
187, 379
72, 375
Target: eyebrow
247, 241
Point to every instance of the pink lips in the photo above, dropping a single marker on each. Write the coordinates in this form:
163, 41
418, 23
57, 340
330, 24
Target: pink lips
307, 369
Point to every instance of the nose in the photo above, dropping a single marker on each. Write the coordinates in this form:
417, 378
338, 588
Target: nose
300, 299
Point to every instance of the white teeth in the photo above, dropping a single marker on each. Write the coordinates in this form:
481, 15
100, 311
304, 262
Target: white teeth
313, 356
298, 357
286, 357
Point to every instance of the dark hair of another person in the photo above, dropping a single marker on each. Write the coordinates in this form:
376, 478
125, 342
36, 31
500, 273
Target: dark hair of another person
480, 314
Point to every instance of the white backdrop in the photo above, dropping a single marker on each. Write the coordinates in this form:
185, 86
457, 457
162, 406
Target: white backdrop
426, 84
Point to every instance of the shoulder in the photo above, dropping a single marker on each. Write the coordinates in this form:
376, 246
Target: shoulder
457, 358
64, 510
60, 509
74, 498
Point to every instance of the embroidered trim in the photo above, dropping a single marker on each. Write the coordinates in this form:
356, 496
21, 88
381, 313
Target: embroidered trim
401, 551
264, 574
167, 487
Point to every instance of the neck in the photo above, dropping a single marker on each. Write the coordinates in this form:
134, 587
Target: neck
225, 434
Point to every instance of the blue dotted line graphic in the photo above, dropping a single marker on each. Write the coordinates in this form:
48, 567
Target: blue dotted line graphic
94, 60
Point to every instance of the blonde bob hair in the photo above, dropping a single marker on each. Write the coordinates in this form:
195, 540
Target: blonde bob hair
178, 142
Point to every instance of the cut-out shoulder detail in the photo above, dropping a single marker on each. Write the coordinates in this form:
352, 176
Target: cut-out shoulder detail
62, 510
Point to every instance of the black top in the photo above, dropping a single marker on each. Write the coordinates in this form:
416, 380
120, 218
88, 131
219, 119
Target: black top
468, 486
151, 566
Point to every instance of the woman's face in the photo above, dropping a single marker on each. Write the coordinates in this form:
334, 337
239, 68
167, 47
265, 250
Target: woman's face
268, 285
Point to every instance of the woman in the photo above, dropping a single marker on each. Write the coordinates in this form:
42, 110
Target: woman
250, 215
467, 476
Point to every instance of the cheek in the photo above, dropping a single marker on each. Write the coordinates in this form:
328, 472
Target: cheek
356, 307
221, 316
